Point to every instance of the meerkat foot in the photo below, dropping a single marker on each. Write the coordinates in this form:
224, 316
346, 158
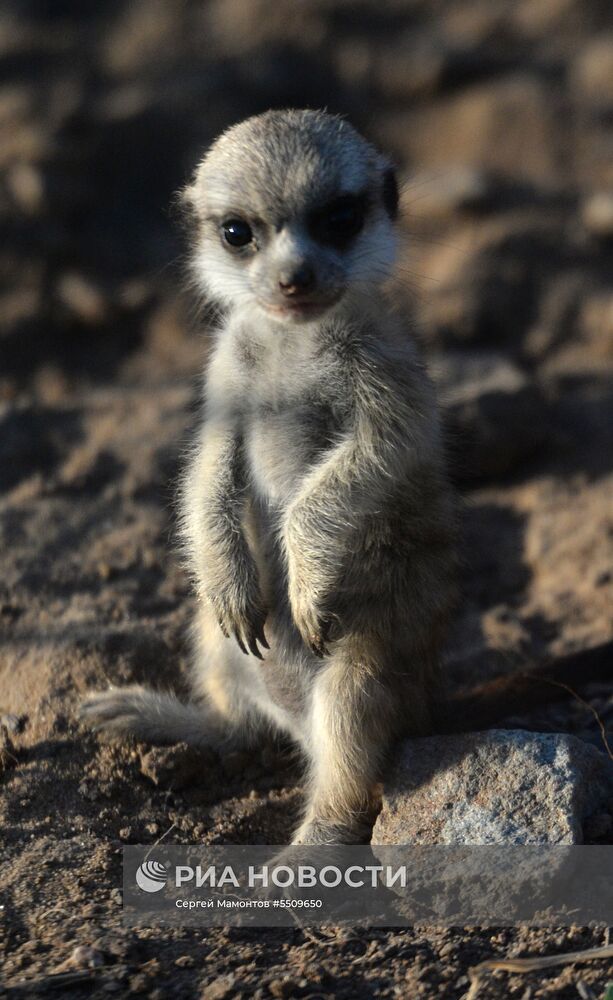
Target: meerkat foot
151, 716
319, 832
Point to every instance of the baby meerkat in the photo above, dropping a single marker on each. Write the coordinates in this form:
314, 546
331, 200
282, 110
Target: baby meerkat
316, 512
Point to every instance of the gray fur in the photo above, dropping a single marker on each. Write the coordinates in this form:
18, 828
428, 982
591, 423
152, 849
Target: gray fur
316, 512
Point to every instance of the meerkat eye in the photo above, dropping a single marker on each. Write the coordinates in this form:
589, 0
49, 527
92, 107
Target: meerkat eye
236, 232
339, 222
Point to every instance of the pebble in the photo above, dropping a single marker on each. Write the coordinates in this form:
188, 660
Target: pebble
86, 957
221, 988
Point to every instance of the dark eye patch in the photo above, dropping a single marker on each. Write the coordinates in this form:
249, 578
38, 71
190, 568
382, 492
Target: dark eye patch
340, 221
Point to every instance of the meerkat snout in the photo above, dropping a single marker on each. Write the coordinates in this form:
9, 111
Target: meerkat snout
297, 281
294, 214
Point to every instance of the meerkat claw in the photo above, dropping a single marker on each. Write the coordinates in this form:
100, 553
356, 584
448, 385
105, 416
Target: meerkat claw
240, 642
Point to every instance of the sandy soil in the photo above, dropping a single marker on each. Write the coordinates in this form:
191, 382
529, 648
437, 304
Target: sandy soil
499, 115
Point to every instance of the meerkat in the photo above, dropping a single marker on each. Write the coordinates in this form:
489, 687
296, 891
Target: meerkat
316, 512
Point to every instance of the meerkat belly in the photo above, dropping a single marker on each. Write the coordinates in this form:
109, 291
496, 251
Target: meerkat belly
281, 446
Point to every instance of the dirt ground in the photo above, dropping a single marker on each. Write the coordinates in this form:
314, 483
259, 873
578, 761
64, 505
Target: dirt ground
500, 117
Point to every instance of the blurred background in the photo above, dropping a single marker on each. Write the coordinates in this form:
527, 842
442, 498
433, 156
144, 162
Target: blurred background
498, 113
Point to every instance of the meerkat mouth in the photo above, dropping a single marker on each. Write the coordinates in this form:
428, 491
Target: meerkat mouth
297, 309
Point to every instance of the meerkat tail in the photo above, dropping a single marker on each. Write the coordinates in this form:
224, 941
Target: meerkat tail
152, 716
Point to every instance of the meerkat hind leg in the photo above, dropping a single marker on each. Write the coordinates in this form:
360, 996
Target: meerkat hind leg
353, 724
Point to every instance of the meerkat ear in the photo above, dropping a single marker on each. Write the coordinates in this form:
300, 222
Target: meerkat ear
390, 192
187, 197
186, 206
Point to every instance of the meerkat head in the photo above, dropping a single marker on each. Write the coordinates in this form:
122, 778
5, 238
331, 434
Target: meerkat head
294, 212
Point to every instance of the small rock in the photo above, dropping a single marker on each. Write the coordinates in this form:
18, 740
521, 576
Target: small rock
82, 957
219, 989
282, 988
86, 957
597, 214
496, 787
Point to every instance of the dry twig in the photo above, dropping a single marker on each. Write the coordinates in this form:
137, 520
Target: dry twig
531, 965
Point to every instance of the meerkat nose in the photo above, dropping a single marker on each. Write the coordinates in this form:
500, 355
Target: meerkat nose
297, 280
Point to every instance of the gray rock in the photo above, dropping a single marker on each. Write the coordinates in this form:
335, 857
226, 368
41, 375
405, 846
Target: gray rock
495, 787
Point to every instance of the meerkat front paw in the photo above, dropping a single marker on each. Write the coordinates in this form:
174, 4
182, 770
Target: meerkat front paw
243, 616
314, 627
309, 605
317, 625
